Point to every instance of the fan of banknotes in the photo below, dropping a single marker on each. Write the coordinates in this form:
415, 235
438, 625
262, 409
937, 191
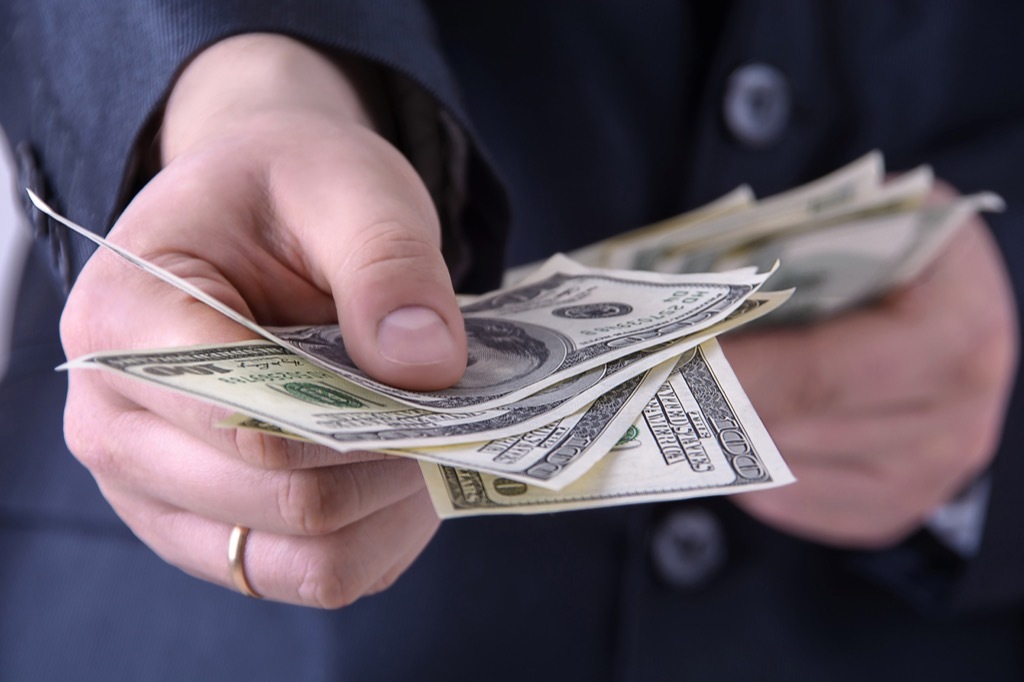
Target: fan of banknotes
594, 378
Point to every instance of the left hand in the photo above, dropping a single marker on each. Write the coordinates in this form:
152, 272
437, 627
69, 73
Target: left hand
887, 412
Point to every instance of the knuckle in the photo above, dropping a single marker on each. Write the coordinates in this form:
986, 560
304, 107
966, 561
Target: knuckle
325, 583
76, 321
100, 462
92, 449
355, 496
261, 450
75, 429
391, 246
301, 500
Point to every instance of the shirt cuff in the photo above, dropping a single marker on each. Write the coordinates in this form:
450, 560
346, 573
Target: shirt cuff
959, 523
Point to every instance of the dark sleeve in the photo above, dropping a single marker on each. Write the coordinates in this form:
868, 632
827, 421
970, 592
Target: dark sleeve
83, 84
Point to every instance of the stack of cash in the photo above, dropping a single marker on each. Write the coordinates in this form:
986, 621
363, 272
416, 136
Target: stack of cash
590, 382
840, 241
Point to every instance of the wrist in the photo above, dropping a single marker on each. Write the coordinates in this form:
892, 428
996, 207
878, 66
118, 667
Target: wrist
258, 76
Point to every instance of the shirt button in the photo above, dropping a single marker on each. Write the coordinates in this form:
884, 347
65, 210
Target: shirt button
757, 104
688, 548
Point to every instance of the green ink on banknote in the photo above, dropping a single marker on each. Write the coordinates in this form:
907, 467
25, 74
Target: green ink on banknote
319, 394
629, 439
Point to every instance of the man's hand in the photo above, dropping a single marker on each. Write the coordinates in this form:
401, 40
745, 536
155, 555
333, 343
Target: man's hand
887, 412
279, 199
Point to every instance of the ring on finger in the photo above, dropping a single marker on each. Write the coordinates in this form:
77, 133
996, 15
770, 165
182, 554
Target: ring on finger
236, 561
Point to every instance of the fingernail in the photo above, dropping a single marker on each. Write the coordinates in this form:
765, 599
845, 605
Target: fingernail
414, 335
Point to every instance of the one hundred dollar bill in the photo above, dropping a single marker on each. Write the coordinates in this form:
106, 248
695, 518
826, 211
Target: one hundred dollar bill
262, 380
697, 436
551, 456
841, 241
567, 321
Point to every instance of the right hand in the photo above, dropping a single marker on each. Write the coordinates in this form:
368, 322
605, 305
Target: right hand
277, 198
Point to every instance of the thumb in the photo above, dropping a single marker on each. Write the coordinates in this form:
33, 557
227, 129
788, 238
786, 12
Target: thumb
375, 240
397, 310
